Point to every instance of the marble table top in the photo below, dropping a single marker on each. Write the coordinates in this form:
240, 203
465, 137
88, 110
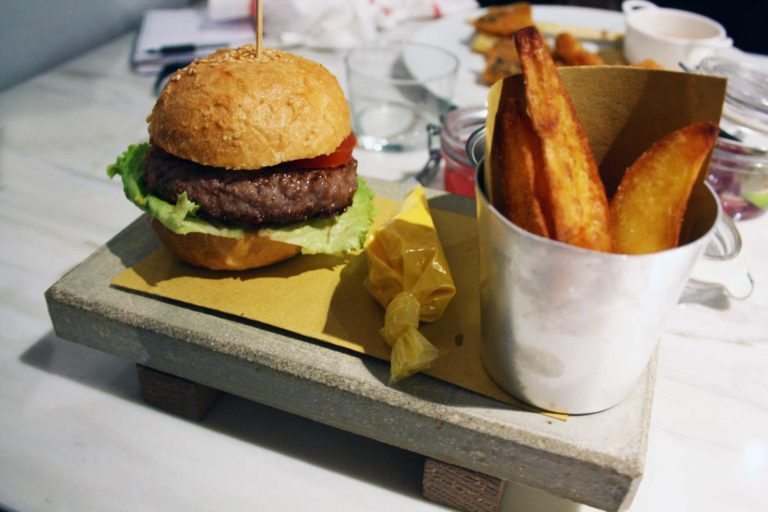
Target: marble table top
75, 435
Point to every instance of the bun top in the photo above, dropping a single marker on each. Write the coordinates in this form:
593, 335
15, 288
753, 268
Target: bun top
235, 110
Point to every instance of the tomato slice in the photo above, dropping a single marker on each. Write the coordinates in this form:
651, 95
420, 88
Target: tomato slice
339, 157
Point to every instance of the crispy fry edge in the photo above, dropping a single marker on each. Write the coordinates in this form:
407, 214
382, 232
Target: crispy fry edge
517, 162
636, 231
576, 198
572, 52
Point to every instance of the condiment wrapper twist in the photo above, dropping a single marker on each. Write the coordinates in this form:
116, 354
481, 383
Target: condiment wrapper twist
409, 276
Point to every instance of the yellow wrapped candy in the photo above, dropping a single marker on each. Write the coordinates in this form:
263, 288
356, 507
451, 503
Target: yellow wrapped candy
409, 276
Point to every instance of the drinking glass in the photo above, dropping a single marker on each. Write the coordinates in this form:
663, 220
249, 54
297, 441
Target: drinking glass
395, 90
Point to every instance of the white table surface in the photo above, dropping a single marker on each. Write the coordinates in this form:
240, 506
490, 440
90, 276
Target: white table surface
75, 434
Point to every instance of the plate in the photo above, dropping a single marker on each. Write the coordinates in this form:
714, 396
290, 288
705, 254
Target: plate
454, 33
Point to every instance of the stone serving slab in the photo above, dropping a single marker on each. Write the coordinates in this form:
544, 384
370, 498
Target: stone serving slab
594, 459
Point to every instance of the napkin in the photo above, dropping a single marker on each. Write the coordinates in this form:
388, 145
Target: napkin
334, 24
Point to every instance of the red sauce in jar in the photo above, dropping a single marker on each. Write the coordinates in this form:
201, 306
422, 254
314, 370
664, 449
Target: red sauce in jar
458, 125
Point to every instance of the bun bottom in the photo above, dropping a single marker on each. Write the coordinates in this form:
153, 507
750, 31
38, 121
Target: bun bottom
222, 253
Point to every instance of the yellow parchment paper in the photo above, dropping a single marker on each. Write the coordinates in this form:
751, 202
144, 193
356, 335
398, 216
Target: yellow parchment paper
323, 297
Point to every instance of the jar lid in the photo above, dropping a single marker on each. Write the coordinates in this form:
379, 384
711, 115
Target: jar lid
458, 125
735, 156
742, 150
746, 103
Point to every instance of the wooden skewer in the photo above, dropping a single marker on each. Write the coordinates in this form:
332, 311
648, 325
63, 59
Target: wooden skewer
258, 24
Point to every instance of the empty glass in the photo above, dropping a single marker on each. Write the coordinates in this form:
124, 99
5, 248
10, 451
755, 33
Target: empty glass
395, 90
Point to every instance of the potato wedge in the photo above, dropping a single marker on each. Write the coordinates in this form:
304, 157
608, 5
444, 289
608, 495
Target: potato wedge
505, 20
571, 52
650, 203
575, 201
516, 154
501, 61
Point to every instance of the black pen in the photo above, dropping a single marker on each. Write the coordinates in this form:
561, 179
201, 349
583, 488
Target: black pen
185, 48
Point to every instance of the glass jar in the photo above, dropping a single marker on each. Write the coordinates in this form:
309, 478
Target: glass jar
739, 167
739, 175
457, 126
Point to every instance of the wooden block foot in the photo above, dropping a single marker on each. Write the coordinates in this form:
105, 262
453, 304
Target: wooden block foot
174, 394
461, 488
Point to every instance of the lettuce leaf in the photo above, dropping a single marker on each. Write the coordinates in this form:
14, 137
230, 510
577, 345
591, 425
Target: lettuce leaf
179, 218
128, 166
336, 235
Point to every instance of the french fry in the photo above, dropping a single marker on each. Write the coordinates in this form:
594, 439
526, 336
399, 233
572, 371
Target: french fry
575, 202
572, 52
517, 151
647, 64
651, 200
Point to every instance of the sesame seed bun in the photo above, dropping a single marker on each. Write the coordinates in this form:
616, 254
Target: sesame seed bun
236, 110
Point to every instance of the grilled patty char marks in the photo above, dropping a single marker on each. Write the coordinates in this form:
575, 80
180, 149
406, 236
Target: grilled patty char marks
278, 194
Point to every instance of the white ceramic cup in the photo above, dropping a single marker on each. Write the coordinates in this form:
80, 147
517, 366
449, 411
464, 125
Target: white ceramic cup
670, 36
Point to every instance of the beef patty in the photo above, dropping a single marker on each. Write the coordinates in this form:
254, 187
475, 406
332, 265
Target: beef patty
278, 194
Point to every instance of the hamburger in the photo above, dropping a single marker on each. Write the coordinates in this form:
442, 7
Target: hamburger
249, 162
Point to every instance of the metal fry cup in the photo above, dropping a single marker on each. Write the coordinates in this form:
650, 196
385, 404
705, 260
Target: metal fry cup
572, 330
